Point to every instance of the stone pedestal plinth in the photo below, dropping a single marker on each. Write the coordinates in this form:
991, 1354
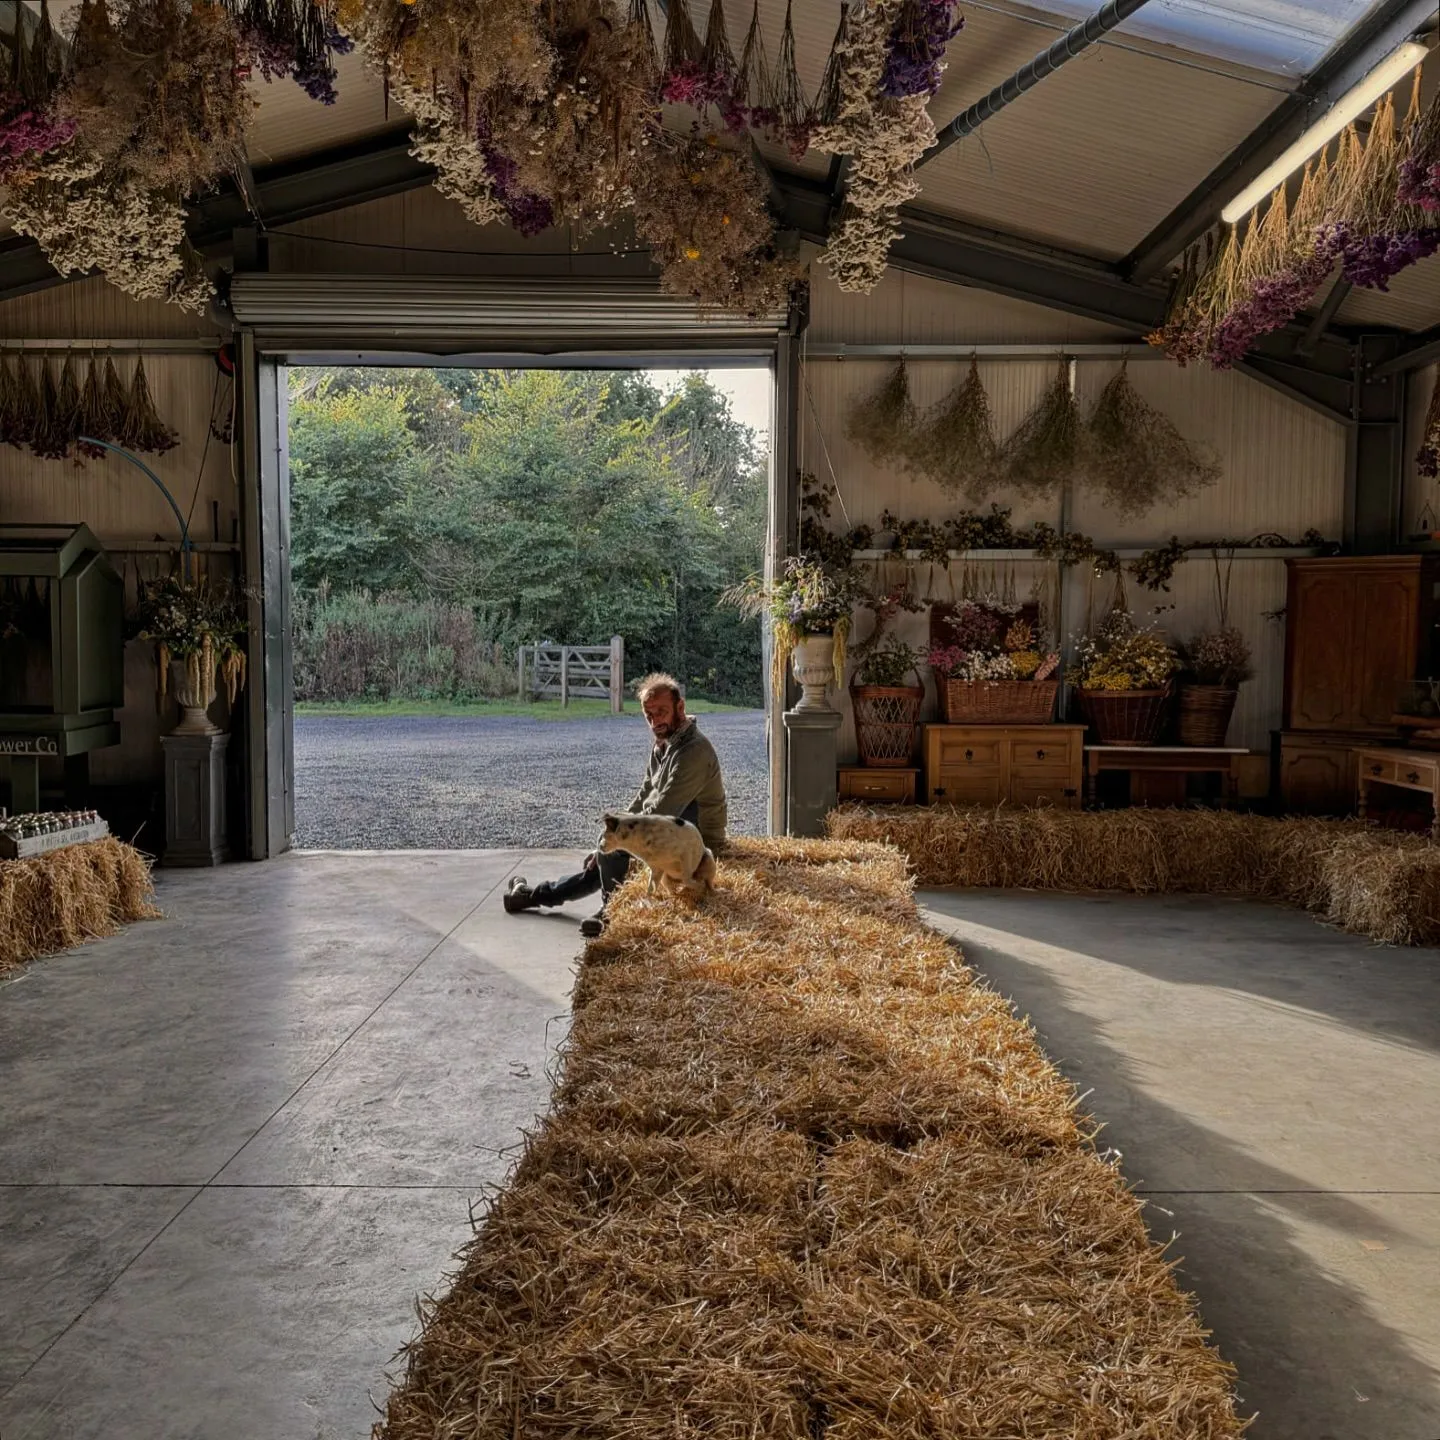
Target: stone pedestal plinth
810, 793
195, 818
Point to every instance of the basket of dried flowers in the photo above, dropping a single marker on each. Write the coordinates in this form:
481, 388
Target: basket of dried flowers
991, 672
1218, 661
1122, 675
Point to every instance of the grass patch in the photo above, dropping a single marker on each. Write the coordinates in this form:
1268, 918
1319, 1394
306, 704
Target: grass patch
805, 1175
539, 710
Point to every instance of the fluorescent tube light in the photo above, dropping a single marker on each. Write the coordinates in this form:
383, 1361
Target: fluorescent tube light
1393, 68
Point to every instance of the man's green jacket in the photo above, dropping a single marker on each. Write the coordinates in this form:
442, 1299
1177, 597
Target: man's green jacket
683, 769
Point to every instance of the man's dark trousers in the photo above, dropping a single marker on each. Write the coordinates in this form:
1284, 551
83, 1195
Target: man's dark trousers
605, 875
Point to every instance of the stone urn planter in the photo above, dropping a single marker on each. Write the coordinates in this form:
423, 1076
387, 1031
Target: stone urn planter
813, 663
193, 681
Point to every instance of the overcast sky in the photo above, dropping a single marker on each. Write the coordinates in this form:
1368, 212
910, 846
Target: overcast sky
749, 391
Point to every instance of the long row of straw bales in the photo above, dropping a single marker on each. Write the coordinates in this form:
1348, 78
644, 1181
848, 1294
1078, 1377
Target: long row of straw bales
1369, 881
806, 1176
55, 901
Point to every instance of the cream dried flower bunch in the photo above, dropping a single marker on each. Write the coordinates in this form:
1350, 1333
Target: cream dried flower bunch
890, 58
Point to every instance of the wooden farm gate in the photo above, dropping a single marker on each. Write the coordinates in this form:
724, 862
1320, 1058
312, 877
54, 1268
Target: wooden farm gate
593, 672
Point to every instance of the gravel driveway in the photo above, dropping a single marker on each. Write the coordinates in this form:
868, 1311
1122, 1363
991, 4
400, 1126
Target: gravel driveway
429, 783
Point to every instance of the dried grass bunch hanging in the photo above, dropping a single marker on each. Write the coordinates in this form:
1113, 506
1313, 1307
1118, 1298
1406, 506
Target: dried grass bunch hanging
1046, 450
1135, 458
890, 58
883, 425
46, 412
29, 124
702, 211
956, 447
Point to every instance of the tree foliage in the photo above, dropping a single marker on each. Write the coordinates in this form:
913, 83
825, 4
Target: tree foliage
551, 505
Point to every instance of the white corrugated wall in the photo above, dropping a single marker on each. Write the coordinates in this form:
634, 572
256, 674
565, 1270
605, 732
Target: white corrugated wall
1283, 464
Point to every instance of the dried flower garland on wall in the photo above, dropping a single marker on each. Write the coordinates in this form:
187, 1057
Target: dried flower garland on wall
47, 413
890, 60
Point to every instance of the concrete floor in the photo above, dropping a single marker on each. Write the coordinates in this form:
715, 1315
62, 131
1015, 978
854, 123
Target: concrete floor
237, 1144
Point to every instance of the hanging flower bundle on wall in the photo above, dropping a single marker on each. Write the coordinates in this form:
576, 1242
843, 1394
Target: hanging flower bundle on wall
48, 411
1364, 207
1128, 452
891, 55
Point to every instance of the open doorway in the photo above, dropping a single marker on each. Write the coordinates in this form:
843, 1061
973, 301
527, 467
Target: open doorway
441, 519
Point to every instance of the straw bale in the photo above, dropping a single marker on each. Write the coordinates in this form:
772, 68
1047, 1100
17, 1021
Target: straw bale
806, 1175
61, 899
1372, 882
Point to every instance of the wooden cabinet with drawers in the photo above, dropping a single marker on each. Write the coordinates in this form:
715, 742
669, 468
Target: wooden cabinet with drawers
1004, 764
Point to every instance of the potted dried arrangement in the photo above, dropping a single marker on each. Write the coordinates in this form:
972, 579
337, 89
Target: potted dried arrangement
809, 607
886, 705
1123, 673
1217, 663
199, 637
991, 671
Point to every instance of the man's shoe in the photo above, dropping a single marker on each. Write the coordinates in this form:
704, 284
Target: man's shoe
593, 925
518, 897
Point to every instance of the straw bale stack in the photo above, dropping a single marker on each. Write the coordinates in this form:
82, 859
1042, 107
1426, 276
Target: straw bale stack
1380, 883
61, 899
806, 1175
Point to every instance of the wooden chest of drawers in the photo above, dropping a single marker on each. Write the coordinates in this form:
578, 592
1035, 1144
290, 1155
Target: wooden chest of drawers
1004, 764
877, 785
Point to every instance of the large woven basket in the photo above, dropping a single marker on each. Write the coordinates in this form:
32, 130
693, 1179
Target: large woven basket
998, 702
887, 722
1125, 717
1204, 714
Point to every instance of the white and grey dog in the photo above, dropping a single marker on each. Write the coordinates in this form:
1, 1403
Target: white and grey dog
671, 847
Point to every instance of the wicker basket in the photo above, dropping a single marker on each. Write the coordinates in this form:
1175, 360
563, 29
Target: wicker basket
1125, 717
1205, 712
887, 722
998, 702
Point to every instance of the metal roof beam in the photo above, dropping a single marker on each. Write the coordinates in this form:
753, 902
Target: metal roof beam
1391, 24
1072, 43
1419, 351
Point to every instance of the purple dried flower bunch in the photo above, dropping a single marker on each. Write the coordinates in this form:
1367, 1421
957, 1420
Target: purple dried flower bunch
1366, 208
295, 38
1427, 458
29, 123
916, 52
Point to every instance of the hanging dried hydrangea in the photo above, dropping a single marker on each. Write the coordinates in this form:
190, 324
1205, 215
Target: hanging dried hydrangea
884, 424
887, 70
957, 447
1135, 458
1045, 452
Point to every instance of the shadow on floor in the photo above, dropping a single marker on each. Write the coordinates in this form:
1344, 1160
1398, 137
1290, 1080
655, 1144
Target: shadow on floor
1314, 1358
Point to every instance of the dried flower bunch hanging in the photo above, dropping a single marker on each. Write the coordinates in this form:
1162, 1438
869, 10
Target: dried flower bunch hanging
295, 38
29, 86
1427, 457
956, 447
702, 211
158, 113
890, 58
1046, 450
1135, 458
884, 424
47, 411
1361, 207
